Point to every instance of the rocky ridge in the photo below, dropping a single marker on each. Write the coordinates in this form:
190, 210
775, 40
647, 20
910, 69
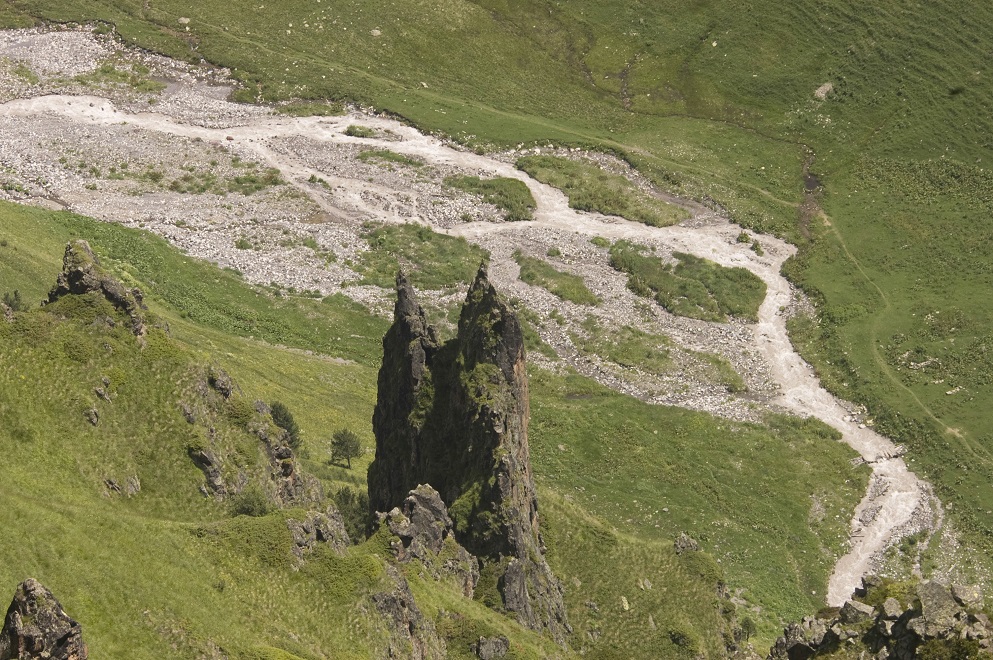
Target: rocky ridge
455, 416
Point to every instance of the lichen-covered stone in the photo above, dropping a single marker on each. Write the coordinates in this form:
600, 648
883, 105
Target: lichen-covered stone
36, 626
318, 528
455, 416
82, 273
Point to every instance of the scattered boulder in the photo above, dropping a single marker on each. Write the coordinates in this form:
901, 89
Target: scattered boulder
210, 465
8, 313
967, 595
855, 612
37, 627
82, 274
685, 542
92, 416
890, 630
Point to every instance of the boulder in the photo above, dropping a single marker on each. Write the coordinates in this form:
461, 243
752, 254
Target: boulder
938, 607
37, 627
967, 595
892, 609
685, 542
855, 612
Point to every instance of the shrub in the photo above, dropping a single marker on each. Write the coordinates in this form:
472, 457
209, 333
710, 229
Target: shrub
360, 131
250, 502
14, 301
283, 418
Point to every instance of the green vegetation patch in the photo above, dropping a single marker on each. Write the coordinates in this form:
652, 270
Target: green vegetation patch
694, 287
355, 130
770, 502
627, 346
196, 290
134, 76
511, 195
538, 272
431, 260
589, 188
311, 109
387, 157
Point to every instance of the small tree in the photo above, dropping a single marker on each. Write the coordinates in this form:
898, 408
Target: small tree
14, 301
345, 445
748, 627
283, 418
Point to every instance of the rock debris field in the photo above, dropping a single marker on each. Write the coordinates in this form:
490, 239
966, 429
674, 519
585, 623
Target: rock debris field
127, 137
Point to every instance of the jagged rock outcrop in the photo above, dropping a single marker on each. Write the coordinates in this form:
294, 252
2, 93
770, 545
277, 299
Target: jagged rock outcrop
82, 273
318, 528
455, 416
37, 627
412, 635
937, 617
425, 532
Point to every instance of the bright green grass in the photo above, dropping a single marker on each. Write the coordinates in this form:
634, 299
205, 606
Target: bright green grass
678, 595
168, 573
538, 272
589, 188
694, 287
511, 195
771, 503
311, 109
430, 259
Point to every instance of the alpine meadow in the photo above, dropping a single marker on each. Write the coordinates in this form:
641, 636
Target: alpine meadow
496, 329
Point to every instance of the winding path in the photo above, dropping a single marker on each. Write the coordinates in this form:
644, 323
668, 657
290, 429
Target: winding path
894, 493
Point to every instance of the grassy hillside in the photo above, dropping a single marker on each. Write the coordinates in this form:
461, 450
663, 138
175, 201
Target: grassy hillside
230, 581
716, 100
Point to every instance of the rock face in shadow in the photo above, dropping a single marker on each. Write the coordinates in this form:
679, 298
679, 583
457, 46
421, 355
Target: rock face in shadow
455, 416
82, 273
37, 627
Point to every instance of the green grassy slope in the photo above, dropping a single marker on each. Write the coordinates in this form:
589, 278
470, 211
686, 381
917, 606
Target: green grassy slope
64, 530
712, 99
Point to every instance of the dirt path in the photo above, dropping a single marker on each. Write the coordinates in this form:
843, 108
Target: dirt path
895, 493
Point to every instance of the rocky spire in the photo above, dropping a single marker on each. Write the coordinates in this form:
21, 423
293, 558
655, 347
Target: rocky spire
455, 416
